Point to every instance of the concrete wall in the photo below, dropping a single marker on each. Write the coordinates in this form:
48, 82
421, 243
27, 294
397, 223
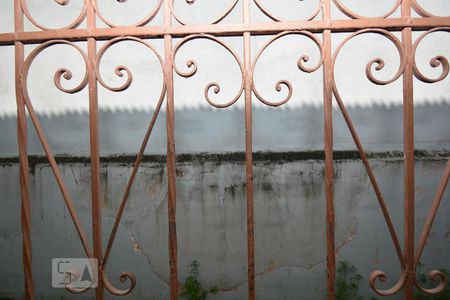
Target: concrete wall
206, 130
289, 223
289, 198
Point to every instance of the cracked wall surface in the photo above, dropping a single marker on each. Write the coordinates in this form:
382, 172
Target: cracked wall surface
289, 223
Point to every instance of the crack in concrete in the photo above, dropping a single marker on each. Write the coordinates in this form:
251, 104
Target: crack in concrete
270, 269
138, 249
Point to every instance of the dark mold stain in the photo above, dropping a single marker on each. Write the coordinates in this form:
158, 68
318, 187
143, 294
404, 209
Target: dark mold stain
230, 190
289, 156
267, 187
214, 187
179, 172
234, 189
156, 185
104, 183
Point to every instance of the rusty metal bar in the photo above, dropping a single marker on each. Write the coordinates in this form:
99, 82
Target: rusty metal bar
249, 154
328, 147
125, 197
22, 138
170, 124
94, 149
56, 172
373, 180
136, 164
377, 274
408, 140
24, 97
432, 214
314, 26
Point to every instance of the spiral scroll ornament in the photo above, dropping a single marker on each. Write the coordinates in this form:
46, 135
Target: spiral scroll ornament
74, 24
278, 19
435, 62
351, 14
422, 11
214, 21
435, 276
59, 75
120, 71
148, 18
192, 66
124, 276
379, 275
300, 64
377, 64
72, 276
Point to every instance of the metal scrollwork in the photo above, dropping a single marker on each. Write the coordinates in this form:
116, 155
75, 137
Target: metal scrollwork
436, 276
60, 73
67, 75
435, 62
421, 11
215, 21
125, 276
378, 62
278, 19
192, 66
148, 18
74, 275
74, 24
351, 14
300, 64
378, 275
379, 65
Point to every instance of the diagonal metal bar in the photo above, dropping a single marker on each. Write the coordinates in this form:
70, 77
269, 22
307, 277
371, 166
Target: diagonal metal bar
130, 182
379, 64
371, 175
432, 214
57, 173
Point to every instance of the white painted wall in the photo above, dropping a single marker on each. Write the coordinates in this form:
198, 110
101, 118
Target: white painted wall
215, 64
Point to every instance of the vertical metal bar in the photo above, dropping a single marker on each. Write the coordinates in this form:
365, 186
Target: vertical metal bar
328, 147
249, 156
94, 148
170, 122
408, 140
23, 159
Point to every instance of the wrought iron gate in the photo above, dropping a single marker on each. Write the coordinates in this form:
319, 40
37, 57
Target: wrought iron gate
320, 22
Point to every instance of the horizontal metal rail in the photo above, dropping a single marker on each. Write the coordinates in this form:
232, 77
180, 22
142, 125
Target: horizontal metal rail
315, 26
